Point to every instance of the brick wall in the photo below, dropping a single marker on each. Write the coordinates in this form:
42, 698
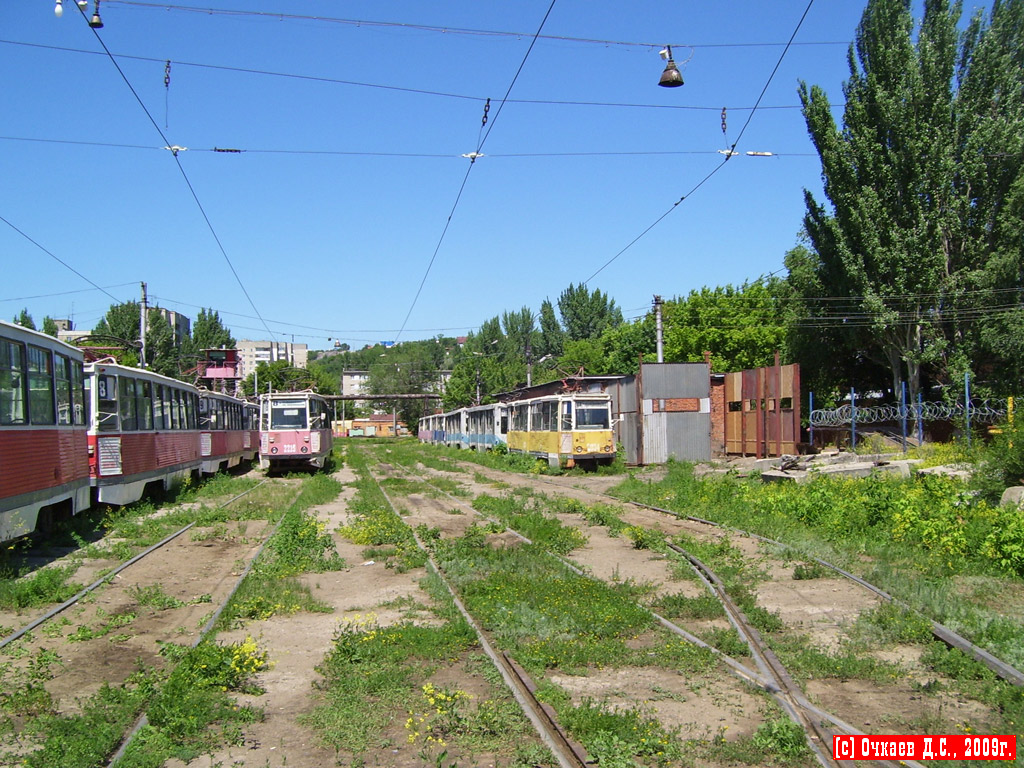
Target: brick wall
717, 415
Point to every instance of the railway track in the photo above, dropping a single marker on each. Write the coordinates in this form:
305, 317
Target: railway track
93, 657
770, 675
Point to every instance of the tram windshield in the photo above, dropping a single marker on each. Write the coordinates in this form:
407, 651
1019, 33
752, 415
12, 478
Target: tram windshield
288, 414
592, 416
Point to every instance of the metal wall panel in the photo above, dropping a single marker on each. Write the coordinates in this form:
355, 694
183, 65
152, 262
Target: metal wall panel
655, 438
673, 380
689, 435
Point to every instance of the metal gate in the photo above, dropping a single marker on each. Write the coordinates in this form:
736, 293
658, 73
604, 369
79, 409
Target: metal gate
762, 411
675, 412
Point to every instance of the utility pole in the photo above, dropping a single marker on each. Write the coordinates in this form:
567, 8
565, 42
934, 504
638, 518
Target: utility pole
657, 321
529, 364
144, 310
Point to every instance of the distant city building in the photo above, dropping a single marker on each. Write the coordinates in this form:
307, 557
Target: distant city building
252, 353
66, 331
181, 326
354, 382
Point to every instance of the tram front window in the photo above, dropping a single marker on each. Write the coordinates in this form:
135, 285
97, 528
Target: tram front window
288, 414
592, 417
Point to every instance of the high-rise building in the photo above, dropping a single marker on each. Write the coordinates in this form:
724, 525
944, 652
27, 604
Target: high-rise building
252, 353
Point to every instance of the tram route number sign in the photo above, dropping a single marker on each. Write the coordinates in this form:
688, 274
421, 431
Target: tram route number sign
948, 747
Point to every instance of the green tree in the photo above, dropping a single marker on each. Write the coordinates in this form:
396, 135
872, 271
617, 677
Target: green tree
121, 322
552, 337
24, 319
740, 327
161, 354
278, 376
586, 313
409, 369
924, 180
49, 326
625, 344
208, 332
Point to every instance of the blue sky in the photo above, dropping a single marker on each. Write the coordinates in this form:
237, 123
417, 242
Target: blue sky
351, 179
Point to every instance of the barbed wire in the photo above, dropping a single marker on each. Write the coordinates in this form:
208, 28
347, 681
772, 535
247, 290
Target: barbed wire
844, 415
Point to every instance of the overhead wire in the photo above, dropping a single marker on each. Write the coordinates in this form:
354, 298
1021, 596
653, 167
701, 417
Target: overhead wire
447, 30
59, 260
476, 153
419, 155
721, 165
181, 168
64, 293
404, 89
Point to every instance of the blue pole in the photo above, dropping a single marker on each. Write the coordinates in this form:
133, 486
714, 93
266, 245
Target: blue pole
967, 405
920, 419
810, 419
903, 412
853, 419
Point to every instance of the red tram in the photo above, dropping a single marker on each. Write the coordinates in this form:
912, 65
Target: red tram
143, 429
229, 432
295, 430
44, 468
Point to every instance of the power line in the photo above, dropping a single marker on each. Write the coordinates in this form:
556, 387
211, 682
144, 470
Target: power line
349, 153
59, 260
419, 91
63, 293
728, 155
447, 30
472, 162
181, 168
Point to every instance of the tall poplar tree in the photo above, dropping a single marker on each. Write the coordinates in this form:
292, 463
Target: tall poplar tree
924, 180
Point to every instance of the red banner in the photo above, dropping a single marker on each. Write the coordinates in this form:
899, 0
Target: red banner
955, 747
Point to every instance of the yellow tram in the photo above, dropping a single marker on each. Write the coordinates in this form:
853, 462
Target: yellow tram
566, 429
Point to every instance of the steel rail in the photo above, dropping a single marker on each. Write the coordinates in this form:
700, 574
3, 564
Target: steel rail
772, 677
566, 752
143, 719
941, 632
108, 577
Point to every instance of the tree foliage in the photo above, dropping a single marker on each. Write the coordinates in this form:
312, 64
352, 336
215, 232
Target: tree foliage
740, 327
49, 326
24, 319
585, 313
924, 178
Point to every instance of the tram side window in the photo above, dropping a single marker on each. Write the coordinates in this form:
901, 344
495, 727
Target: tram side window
107, 394
80, 401
62, 382
175, 404
567, 415
126, 394
144, 403
191, 406
40, 386
12, 383
519, 418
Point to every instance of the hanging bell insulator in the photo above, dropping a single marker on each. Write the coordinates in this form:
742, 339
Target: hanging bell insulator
671, 77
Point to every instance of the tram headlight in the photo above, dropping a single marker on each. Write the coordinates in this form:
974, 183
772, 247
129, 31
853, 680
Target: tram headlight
305, 449
274, 449
579, 449
607, 449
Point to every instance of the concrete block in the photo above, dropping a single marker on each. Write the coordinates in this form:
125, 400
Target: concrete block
1013, 497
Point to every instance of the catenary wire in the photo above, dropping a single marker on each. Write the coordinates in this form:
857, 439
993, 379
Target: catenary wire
452, 30
181, 168
419, 91
469, 169
59, 260
726, 159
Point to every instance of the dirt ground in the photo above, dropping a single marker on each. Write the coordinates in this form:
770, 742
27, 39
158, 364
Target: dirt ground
701, 706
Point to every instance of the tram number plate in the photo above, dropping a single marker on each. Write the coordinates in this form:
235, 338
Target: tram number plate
288, 448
